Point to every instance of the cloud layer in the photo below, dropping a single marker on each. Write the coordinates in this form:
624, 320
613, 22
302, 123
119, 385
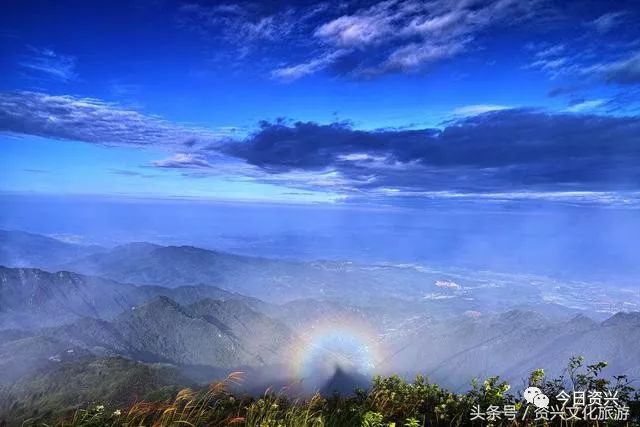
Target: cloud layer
486, 149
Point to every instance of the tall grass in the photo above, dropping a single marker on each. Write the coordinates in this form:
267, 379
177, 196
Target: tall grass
390, 402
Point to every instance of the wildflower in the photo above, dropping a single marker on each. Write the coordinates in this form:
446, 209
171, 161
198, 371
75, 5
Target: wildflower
117, 413
100, 408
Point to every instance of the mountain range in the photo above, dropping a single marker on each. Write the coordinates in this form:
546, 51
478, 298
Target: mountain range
177, 315
22, 249
514, 343
34, 298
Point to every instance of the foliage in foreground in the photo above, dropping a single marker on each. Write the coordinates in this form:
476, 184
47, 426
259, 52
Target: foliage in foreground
390, 402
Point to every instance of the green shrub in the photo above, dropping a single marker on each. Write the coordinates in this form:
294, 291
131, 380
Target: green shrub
390, 402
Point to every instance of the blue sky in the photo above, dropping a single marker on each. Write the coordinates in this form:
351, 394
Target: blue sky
388, 102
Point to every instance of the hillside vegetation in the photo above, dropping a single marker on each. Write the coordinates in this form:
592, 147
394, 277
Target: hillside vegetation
389, 402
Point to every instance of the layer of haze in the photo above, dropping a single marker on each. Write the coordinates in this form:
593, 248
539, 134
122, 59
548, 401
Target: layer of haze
561, 241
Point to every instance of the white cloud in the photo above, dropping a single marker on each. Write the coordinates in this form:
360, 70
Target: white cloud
608, 21
586, 105
361, 157
182, 160
475, 109
407, 35
295, 72
415, 55
355, 31
447, 284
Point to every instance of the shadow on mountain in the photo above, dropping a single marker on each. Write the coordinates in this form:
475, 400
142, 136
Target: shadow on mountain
344, 382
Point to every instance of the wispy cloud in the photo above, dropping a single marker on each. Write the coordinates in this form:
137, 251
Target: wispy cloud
555, 60
235, 22
91, 120
623, 71
297, 71
352, 38
616, 68
247, 27
120, 89
49, 64
604, 50
404, 36
609, 21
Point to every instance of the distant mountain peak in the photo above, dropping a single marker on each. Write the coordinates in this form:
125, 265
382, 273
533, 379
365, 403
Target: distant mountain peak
136, 246
581, 318
631, 318
160, 304
580, 322
523, 316
188, 248
23, 249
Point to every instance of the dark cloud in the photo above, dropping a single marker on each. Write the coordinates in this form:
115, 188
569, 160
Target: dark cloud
278, 146
89, 120
496, 151
568, 90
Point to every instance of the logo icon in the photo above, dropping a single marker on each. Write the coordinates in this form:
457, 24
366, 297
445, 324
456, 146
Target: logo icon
535, 396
